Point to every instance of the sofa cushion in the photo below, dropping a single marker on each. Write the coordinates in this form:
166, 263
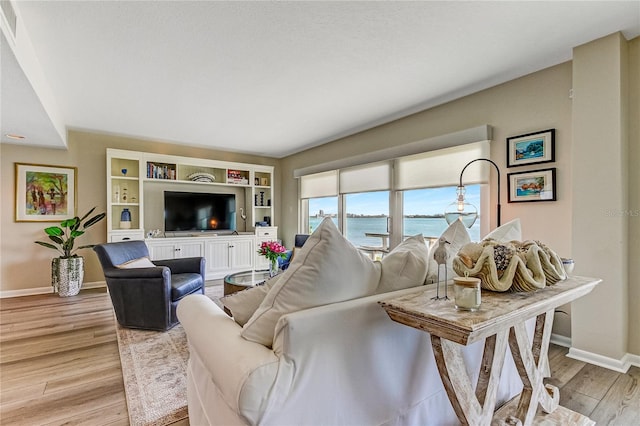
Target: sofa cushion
183, 284
457, 236
327, 269
142, 262
406, 266
510, 231
243, 304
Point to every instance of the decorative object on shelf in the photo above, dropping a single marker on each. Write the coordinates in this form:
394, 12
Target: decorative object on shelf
155, 233
124, 195
535, 185
272, 250
45, 193
440, 255
256, 200
510, 266
237, 177
467, 294
201, 177
67, 270
124, 172
264, 181
116, 193
466, 212
262, 198
125, 219
243, 216
532, 148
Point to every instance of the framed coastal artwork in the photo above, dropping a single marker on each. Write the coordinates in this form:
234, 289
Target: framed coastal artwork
535, 185
532, 148
45, 193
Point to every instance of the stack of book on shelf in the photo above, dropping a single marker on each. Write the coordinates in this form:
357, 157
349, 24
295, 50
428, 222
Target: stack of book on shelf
160, 171
236, 176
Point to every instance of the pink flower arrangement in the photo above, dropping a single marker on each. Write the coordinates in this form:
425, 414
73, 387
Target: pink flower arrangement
272, 250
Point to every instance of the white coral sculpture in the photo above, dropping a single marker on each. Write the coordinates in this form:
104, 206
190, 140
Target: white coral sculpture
513, 266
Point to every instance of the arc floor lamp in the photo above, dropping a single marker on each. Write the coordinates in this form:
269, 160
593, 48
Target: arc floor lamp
466, 212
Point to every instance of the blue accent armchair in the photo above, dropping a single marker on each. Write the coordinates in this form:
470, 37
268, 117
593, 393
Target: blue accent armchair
299, 241
147, 297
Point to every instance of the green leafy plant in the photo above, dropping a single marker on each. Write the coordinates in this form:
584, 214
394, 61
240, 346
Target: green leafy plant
64, 236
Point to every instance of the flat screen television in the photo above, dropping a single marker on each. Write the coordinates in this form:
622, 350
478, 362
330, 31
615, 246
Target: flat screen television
199, 211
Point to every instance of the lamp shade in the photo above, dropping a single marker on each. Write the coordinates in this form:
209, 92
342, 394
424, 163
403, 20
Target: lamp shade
461, 210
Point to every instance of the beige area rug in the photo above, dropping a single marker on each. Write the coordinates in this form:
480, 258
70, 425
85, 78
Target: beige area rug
154, 368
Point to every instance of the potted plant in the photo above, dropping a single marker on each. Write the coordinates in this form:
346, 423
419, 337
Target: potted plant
67, 270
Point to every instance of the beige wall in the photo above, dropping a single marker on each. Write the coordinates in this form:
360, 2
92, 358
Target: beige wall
634, 195
536, 102
600, 222
26, 265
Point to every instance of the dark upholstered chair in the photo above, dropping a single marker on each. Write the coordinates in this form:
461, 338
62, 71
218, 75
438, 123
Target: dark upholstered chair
147, 297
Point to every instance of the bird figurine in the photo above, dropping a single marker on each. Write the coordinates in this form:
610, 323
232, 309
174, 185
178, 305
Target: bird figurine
440, 255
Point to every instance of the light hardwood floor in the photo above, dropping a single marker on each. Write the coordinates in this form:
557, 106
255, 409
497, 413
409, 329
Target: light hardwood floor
59, 365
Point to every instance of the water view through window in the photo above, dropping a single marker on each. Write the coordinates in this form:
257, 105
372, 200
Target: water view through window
368, 213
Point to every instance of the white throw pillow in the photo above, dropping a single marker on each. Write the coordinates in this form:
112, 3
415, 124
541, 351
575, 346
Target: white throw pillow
457, 236
327, 269
142, 262
406, 266
243, 304
510, 231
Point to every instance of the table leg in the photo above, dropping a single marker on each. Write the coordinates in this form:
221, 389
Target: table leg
531, 362
471, 408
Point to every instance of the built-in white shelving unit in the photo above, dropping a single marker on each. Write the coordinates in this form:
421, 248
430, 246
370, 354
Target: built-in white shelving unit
129, 173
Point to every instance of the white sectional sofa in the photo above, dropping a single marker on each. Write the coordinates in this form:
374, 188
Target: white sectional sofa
313, 346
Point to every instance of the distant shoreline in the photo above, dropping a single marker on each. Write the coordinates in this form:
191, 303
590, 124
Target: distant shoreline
411, 216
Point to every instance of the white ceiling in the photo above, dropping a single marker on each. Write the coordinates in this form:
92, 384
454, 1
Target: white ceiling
274, 78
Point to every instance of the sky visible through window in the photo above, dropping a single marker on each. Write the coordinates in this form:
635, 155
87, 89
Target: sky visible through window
429, 201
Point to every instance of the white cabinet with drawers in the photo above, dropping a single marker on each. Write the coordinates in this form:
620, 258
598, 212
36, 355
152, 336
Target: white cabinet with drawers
175, 248
263, 233
224, 254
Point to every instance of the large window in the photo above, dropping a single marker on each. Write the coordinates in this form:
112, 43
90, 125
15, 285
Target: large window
423, 210
367, 219
378, 204
319, 208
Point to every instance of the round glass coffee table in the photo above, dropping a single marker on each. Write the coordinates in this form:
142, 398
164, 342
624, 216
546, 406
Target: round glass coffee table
243, 280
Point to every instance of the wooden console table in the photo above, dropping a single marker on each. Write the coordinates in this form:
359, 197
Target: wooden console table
501, 321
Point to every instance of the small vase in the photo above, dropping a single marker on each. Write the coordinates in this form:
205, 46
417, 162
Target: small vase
273, 268
125, 219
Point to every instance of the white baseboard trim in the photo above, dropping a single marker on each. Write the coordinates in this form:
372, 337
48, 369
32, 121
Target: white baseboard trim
44, 290
25, 292
620, 365
560, 340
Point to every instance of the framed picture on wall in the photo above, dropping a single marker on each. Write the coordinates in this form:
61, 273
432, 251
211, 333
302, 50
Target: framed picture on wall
532, 148
535, 185
45, 193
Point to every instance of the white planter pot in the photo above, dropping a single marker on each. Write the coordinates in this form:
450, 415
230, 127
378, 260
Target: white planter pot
67, 275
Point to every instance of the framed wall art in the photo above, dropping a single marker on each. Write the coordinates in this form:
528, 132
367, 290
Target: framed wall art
535, 185
532, 148
45, 193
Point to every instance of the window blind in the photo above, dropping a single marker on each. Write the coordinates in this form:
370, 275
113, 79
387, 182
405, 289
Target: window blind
319, 185
370, 177
442, 167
